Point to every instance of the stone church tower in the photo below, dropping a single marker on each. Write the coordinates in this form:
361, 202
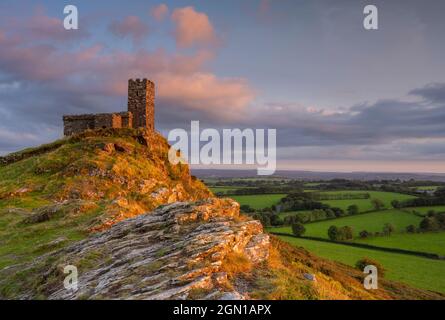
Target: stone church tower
140, 114
141, 103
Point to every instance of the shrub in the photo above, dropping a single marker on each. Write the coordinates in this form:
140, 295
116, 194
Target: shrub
338, 212
362, 263
353, 209
431, 213
411, 229
396, 204
333, 233
364, 234
298, 229
388, 228
429, 224
346, 233
377, 204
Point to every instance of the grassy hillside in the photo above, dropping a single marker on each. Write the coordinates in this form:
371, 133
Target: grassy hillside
58, 193
416, 271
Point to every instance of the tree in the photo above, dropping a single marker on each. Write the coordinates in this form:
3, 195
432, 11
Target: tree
364, 234
333, 233
377, 204
338, 212
353, 209
431, 213
388, 228
429, 224
411, 229
346, 233
246, 208
396, 204
275, 220
298, 229
329, 213
440, 193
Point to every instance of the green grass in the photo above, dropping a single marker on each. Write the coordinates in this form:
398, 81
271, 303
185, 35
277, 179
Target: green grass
226, 189
432, 242
371, 222
415, 271
426, 188
365, 204
259, 201
425, 210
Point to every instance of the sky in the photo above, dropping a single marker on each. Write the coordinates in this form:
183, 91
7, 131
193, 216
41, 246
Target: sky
341, 98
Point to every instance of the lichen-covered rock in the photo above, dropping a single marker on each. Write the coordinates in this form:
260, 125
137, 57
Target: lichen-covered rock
174, 252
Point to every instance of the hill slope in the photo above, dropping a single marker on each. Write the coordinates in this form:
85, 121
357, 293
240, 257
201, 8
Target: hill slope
136, 227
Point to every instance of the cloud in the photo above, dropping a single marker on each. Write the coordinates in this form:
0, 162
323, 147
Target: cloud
434, 92
130, 26
41, 27
41, 81
159, 12
192, 28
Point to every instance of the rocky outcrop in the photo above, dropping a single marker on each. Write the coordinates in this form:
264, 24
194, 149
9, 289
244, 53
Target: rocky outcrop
175, 252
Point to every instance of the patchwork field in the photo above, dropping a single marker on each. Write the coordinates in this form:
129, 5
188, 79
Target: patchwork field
366, 204
431, 242
371, 222
259, 201
425, 210
415, 271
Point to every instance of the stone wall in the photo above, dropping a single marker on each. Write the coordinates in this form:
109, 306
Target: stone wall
77, 123
107, 120
127, 119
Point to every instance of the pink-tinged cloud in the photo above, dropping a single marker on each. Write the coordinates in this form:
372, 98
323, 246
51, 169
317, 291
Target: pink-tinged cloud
131, 27
192, 28
224, 98
159, 12
43, 27
183, 81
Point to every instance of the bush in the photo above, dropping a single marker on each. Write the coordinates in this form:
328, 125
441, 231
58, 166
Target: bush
353, 209
346, 233
411, 229
298, 229
388, 228
362, 263
396, 204
364, 234
377, 204
340, 234
429, 224
333, 233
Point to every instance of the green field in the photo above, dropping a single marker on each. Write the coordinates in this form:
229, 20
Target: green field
365, 204
371, 222
426, 188
431, 242
415, 271
226, 189
425, 210
259, 201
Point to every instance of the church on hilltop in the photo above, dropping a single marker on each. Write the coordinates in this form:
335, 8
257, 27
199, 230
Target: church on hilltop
140, 114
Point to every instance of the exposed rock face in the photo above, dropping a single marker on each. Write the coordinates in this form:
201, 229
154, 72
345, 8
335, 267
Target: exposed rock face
173, 252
